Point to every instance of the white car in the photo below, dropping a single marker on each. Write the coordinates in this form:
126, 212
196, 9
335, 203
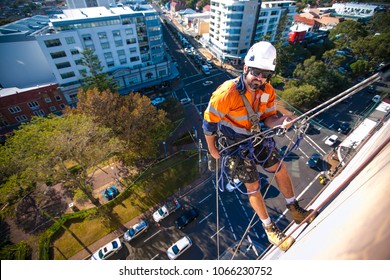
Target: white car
331, 140
179, 247
376, 98
157, 100
207, 83
186, 100
136, 230
107, 250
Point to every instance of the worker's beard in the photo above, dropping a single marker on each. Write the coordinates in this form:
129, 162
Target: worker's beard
255, 84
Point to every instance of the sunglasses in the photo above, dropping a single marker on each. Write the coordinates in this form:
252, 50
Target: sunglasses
257, 72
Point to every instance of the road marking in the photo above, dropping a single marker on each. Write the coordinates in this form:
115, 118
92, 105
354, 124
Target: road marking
152, 236
155, 257
331, 125
315, 145
217, 232
204, 198
206, 217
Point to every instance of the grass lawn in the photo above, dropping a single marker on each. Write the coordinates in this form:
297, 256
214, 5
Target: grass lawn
154, 186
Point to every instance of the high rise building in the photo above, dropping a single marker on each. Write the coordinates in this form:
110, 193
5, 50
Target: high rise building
128, 43
236, 24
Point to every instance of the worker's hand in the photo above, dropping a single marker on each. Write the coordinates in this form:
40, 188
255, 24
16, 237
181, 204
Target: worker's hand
286, 121
214, 152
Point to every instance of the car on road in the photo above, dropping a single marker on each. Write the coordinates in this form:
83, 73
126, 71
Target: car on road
179, 247
110, 193
157, 101
187, 217
207, 83
185, 100
136, 230
313, 160
331, 140
107, 250
376, 98
344, 128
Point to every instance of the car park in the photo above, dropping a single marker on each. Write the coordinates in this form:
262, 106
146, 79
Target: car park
136, 230
331, 140
187, 217
179, 247
185, 100
157, 101
313, 160
107, 250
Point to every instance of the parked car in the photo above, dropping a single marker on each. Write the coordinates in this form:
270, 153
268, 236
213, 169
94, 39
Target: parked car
344, 128
107, 250
376, 98
179, 247
207, 83
157, 101
313, 160
136, 230
331, 140
164, 211
110, 193
187, 216
185, 100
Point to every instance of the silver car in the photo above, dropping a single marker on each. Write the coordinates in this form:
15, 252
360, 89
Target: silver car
136, 230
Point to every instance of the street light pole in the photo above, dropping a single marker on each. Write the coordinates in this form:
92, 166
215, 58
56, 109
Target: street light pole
165, 150
200, 154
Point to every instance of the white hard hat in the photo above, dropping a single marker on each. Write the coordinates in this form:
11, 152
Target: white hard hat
261, 55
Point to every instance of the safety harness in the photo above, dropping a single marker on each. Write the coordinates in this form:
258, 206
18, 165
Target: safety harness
246, 150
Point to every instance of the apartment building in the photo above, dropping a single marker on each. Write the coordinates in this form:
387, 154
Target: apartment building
236, 24
128, 44
20, 105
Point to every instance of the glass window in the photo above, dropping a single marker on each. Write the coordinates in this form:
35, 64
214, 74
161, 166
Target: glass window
39, 113
53, 108
129, 31
33, 104
21, 118
74, 51
52, 43
70, 40
14, 109
68, 75
55, 55
58, 98
63, 65
47, 99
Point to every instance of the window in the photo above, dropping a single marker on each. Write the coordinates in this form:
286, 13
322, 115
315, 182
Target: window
55, 55
67, 75
47, 99
73, 97
105, 45
62, 65
14, 109
52, 43
110, 63
107, 55
62, 106
78, 62
83, 72
133, 50
129, 31
118, 43
74, 51
33, 105
70, 40
131, 41
53, 108
134, 58
102, 35
21, 118
39, 113
116, 33
58, 98
87, 37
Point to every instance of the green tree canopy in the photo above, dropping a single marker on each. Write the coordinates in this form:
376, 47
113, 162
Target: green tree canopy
302, 97
131, 117
346, 32
45, 149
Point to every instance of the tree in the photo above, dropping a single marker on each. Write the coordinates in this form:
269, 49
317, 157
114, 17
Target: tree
132, 118
96, 78
346, 32
360, 67
302, 97
327, 81
374, 48
46, 148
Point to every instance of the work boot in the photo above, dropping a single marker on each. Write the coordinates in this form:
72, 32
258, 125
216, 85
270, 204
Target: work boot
299, 214
277, 237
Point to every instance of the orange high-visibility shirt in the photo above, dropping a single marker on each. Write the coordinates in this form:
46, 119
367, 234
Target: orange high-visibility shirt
227, 109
